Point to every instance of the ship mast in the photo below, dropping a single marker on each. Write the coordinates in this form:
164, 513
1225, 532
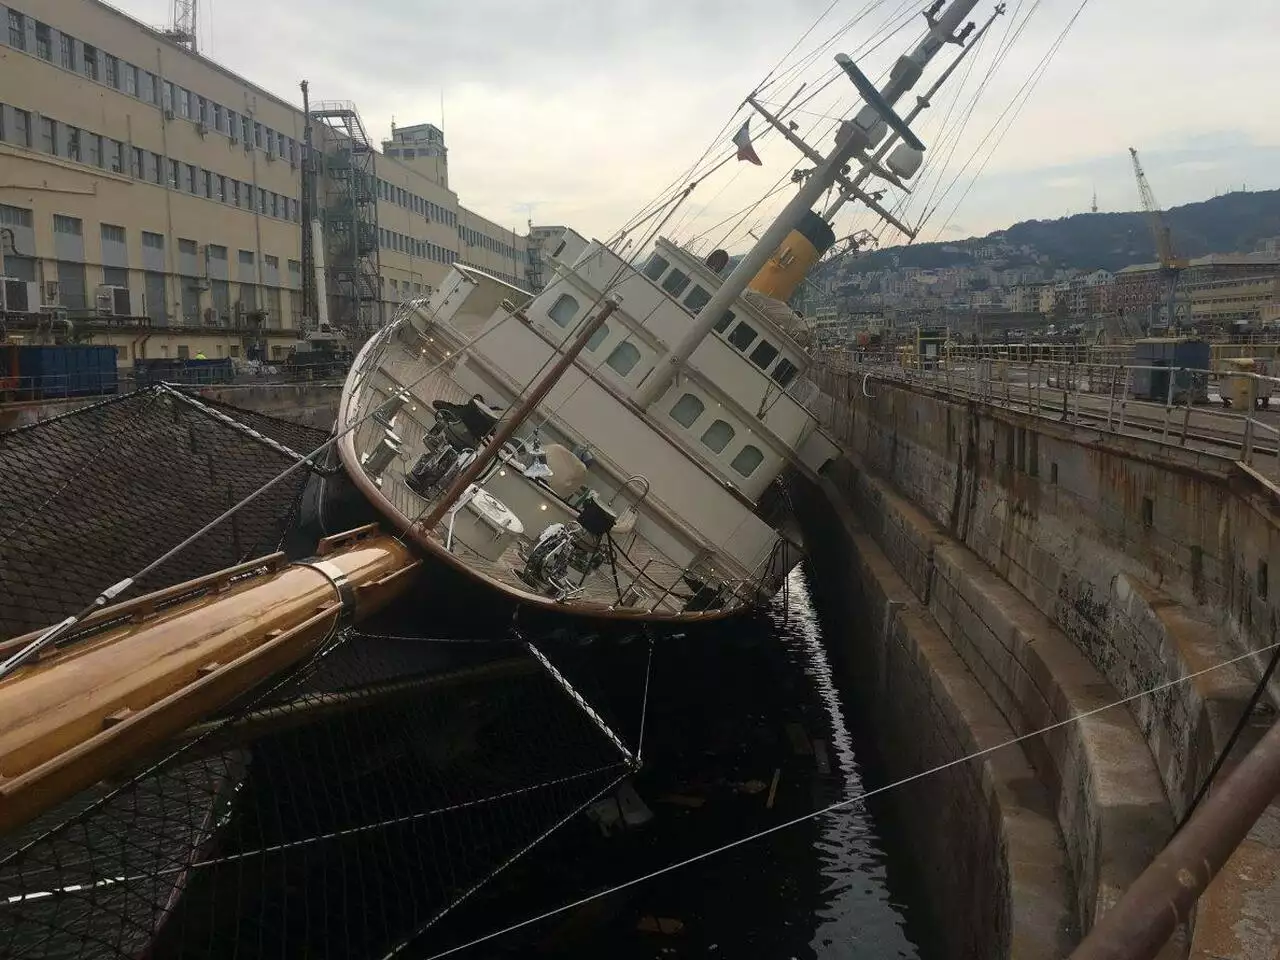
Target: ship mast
854, 138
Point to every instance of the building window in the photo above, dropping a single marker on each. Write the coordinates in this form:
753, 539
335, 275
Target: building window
21, 134
153, 241
15, 216
111, 71
563, 310
697, 299
262, 200
747, 460
217, 118
71, 226
257, 135
90, 62
48, 135
718, 435
245, 128
675, 283
723, 323
275, 205
112, 233
624, 358
114, 159
130, 78
656, 267
222, 188
742, 336
208, 185
73, 144
139, 169
202, 110
764, 354
235, 193
784, 372
17, 30
93, 149
687, 410
66, 52
44, 42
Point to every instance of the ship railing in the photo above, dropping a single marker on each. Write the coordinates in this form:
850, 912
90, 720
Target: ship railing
1178, 405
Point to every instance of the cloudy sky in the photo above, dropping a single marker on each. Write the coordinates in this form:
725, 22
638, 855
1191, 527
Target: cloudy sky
582, 111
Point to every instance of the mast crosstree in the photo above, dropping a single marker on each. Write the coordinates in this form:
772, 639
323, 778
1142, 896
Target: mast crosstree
854, 140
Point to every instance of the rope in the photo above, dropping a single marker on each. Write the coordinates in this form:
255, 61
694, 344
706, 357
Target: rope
839, 805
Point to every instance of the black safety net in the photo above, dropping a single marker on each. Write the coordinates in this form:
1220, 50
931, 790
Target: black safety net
90, 497
342, 812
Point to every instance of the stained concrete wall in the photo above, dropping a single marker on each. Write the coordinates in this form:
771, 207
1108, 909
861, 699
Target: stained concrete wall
983, 833
1103, 566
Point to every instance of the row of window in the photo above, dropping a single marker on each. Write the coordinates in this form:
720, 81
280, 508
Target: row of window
83, 146
118, 74
474, 238
687, 411
115, 234
420, 205
743, 337
434, 212
422, 249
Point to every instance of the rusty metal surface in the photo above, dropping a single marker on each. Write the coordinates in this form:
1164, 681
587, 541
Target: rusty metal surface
94, 495
1163, 897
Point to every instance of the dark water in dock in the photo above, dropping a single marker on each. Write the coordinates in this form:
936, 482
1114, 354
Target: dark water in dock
730, 710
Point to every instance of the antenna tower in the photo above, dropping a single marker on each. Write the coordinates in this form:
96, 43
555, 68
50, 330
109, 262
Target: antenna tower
182, 26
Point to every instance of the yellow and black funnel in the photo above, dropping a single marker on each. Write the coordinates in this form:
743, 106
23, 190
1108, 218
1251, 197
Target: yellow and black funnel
804, 246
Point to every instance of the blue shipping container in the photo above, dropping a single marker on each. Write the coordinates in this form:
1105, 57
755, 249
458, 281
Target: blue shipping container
43, 373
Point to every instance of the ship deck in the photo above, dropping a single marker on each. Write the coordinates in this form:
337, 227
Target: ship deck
639, 582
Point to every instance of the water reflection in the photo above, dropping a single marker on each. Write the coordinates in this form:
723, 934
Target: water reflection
855, 911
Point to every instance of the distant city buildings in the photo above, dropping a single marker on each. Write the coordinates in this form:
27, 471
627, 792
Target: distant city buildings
1218, 289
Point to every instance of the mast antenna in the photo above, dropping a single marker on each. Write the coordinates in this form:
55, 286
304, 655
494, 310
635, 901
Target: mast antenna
1094, 208
182, 25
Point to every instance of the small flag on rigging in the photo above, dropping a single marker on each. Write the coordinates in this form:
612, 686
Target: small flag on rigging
742, 140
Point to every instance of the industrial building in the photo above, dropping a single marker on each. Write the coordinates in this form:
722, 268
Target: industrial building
146, 188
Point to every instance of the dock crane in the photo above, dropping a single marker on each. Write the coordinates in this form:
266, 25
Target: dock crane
1170, 264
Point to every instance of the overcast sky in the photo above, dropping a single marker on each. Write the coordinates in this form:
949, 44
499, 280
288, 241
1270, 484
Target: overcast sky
581, 111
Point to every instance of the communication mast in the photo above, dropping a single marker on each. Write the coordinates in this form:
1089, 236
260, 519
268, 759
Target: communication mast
182, 25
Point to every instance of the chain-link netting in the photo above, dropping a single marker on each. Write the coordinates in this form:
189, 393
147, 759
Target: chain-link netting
340, 813
92, 496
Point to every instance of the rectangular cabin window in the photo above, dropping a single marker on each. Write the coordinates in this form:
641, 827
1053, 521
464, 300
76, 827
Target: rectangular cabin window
624, 358
687, 410
747, 460
718, 435
563, 310
723, 323
764, 354
784, 372
599, 337
697, 298
743, 336
656, 267
675, 283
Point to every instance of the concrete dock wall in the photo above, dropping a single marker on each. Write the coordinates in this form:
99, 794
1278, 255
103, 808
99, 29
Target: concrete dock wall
983, 833
1069, 568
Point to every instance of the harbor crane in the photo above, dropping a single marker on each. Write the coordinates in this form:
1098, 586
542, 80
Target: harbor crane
1170, 264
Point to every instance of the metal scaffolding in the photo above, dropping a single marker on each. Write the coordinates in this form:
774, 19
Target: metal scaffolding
348, 211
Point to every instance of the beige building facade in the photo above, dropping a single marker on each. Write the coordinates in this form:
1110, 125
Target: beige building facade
127, 161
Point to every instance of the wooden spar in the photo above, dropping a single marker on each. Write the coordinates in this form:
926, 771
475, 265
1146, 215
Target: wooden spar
100, 704
518, 416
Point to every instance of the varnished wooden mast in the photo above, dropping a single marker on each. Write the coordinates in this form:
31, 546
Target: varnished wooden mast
102, 703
